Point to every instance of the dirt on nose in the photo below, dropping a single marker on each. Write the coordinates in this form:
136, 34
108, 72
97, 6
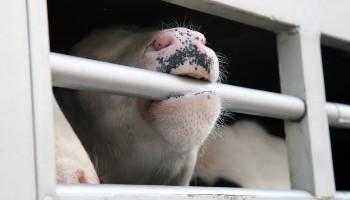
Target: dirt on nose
188, 53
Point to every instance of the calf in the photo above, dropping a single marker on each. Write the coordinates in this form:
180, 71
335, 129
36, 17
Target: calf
247, 155
140, 141
73, 165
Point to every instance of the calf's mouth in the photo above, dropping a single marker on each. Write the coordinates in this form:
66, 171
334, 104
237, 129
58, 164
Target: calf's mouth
196, 72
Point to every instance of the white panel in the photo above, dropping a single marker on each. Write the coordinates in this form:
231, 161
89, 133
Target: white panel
17, 170
308, 140
335, 20
41, 94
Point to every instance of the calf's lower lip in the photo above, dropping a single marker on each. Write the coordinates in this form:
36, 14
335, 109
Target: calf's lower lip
178, 97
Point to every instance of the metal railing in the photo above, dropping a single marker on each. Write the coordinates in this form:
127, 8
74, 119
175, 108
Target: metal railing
86, 74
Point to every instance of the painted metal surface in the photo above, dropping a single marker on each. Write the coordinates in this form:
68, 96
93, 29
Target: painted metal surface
268, 14
17, 155
111, 192
338, 114
26, 144
335, 16
308, 141
41, 89
342, 195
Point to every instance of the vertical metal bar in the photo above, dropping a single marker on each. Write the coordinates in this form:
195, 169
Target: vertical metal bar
308, 140
17, 159
41, 97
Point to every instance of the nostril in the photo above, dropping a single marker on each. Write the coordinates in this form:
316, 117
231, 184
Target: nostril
203, 41
163, 41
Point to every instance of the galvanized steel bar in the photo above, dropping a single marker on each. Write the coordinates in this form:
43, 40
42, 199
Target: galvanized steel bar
81, 73
136, 192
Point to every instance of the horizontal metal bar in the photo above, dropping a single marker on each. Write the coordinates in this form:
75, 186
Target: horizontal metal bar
282, 15
130, 192
87, 74
271, 15
338, 114
343, 195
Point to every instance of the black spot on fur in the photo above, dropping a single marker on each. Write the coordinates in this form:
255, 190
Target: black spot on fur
189, 53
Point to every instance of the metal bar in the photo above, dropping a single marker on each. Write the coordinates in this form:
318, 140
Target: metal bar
282, 15
135, 192
336, 42
308, 142
342, 195
338, 115
81, 73
41, 89
270, 14
17, 156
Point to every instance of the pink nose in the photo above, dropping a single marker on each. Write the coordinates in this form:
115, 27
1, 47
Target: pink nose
181, 51
163, 40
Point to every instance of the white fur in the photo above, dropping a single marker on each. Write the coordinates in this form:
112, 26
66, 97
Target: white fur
73, 165
246, 154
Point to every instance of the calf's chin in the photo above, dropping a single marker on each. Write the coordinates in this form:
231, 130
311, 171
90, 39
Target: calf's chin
184, 122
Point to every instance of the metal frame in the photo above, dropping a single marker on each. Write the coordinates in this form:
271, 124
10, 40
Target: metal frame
308, 140
26, 99
15, 82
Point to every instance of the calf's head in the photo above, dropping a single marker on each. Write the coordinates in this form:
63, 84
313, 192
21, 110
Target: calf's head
174, 126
